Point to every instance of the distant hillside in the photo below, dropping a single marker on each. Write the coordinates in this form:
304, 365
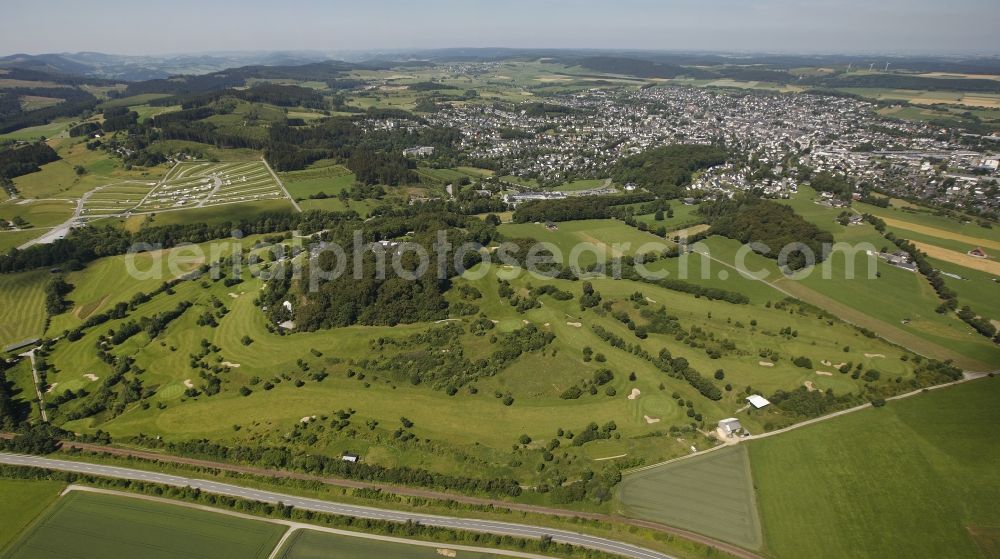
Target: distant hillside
138, 68
233, 77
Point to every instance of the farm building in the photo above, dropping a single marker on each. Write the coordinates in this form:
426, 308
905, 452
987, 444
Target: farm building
731, 427
350, 457
758, 401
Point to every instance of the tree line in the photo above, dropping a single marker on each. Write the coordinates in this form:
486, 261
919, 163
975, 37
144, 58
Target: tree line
747, 218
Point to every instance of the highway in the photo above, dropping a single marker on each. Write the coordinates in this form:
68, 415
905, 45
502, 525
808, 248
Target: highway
317, 505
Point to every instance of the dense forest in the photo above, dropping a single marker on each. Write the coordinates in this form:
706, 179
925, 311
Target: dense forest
18, 161
364, 295
749, 219
570, 209
666, 171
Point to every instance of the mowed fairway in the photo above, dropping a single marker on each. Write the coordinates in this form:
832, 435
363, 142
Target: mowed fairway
22, 300
310, 544
710, 494
87, 525
912, 479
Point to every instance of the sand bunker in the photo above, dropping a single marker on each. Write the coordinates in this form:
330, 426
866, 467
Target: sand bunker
635, 394
765, 363
574, 324
307, 419
874, 356
51, 387
826, 363
188, 383
651, 420
809, 386
91, 377
234, 296
824, 374
230, 365
447, 552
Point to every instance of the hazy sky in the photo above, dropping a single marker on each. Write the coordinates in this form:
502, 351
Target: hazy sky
140, 27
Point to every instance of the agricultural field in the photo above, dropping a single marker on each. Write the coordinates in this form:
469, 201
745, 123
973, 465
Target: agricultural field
329, 179
84, 525
915, 478
920, 97
452, 176
712, 494
23, 501
897, 304
312, 544
199, 185
22, 298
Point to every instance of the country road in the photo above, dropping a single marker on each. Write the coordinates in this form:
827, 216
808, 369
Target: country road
316, 505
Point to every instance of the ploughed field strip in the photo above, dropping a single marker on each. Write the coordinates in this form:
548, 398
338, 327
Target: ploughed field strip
191, 185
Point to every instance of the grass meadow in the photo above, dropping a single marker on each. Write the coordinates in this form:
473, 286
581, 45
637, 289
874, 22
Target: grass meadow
598, 234
38, 213
916, 478
85, 525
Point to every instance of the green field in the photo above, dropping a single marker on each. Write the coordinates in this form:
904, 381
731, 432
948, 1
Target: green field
38, 213
912, 479
22, 502
86, 525
22, 298
484, 445
13, 239
600, 235
311, 544
712, 494
327, 179
49, 130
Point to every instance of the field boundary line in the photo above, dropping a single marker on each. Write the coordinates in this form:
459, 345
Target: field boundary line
281, 184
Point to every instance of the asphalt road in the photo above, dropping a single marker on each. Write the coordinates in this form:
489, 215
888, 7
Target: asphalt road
468, 524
